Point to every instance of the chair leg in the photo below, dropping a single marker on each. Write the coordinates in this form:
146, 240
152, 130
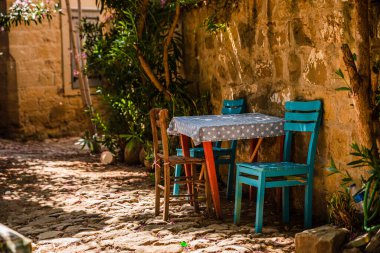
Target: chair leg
260, 204
157, 170
194, 188
238, 195
177, 173
285, 204
166, 191
207, 189
308, 204
230, 180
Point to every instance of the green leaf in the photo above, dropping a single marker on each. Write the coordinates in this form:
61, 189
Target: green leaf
339, 72
332, 170
184, 244
355, 147
343, 89
354, 56
355, 162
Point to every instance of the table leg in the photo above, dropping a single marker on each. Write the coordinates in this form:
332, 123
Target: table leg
278, 197
184, 140
255, 144
213, 180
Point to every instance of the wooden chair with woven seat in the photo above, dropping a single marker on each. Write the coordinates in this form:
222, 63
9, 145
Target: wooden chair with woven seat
163, 162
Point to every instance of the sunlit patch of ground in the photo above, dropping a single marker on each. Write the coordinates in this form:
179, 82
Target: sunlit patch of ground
66, 201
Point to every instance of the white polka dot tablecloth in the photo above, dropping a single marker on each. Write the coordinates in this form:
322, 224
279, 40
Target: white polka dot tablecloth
227, 127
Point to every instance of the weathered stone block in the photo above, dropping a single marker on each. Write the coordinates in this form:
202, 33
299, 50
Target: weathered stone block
325, 239
374, 245
359, 241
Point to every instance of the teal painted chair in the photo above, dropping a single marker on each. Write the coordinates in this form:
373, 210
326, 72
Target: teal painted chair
222, 155
299, 117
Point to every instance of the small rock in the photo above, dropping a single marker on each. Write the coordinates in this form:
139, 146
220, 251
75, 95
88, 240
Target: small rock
74, 229
215, 236
200, 243
352, 250
328, 238
269, 230
359, 241
159, 249
218, 227
60, 241
163, 233
49, 234
114, 220
43, 221
237, 248
374, 245
106, 157
213, 249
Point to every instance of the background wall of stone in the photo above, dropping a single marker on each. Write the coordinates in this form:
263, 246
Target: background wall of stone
35, 81
274, 51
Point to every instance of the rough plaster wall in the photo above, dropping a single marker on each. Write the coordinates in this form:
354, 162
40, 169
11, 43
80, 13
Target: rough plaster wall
274, 51
43, 109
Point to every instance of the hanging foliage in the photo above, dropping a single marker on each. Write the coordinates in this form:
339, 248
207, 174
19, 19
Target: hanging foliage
27, 12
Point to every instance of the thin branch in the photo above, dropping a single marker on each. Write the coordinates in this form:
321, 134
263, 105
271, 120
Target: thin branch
148, 71
83, 63
142, 18
168, 41
76, 55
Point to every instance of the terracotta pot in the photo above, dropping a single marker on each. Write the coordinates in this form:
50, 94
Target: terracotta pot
132, 151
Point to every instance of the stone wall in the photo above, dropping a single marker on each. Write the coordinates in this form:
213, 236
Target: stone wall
38, 104
274, 51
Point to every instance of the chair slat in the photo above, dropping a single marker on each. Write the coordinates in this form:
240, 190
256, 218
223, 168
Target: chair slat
298, 116
274, 184
301, 127
304, 106
234, 103
231, 110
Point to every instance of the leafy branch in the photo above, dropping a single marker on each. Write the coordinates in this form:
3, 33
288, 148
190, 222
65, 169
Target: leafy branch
365, 157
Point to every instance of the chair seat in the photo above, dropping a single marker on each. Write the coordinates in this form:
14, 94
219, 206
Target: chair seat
182, 160
199, 151
273, 169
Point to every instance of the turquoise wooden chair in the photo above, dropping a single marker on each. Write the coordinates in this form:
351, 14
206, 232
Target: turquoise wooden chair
222, 155
299, 117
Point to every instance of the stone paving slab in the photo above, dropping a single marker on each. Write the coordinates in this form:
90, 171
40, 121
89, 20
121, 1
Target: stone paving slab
66, 201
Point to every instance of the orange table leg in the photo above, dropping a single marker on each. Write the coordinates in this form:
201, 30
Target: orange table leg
184, 140
210, 162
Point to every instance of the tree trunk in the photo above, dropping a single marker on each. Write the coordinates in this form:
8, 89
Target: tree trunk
360, 76
360, 97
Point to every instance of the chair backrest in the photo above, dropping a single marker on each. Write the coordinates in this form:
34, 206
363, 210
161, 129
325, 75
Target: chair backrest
302, 117
232, 107
159, 123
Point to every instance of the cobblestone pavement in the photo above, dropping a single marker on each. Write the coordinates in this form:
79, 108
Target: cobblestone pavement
65, 201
